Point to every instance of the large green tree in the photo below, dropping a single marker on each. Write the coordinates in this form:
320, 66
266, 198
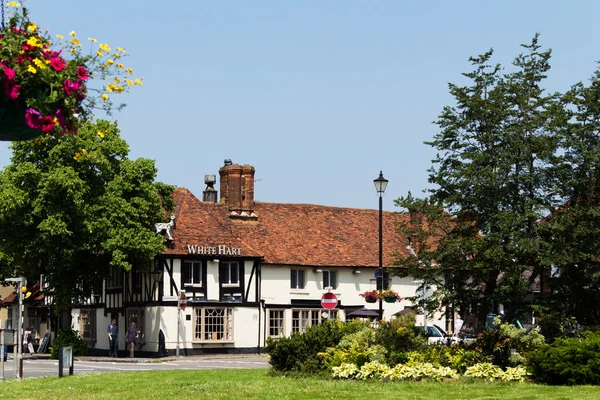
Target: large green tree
476, 237
573, 229
72, 207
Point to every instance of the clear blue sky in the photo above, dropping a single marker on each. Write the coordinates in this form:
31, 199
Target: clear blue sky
317, 95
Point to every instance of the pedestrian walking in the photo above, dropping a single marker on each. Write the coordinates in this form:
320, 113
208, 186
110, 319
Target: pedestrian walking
27, 340
132, 335
113, 339
458, 323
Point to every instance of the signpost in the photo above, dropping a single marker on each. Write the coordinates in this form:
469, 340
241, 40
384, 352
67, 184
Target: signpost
329, 301
182, 301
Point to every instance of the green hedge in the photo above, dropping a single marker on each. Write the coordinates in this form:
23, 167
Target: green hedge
68, 338
572, 361
298, 353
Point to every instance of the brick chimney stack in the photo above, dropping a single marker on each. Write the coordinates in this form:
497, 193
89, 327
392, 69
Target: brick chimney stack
237, 189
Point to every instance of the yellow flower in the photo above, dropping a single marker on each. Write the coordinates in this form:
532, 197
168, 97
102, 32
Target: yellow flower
120, 66
129, 82
122, 50
77, 157
13, 4
60, 36
72, 51
101, 134
34, 41
138, 81
39, 63
117, 55
75, 41
120, 89
104, 67
32, 27
83, 151
72, 33
105, 48
92, 39
130, 71
117, 79
110, 87
31, 69
104, 97
110, 61
100, 54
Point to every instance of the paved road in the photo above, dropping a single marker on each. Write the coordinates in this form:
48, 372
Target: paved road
90, 365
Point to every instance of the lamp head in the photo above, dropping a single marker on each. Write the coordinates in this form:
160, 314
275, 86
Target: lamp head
380, 184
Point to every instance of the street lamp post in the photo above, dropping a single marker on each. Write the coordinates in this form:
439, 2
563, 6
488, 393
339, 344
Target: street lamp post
380, 186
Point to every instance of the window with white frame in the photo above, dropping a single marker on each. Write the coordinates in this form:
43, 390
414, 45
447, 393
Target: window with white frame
297, 279
276, 327
192, 273
303, 319
213, 324
87, 324
230, 273
330, 279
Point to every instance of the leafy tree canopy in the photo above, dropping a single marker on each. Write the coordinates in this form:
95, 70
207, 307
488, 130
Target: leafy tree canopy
72, 207
476, 238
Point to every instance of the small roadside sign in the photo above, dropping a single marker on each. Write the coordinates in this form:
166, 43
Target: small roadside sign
182, 301
329, 301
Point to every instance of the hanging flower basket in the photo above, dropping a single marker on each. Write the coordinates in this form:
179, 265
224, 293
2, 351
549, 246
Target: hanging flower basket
389, 296
370, 299
44, 81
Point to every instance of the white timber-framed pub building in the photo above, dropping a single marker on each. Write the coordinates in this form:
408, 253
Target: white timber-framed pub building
250, 270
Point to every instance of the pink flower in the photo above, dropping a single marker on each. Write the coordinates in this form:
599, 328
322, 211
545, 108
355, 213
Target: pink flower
47, 124
58, 64
82, 73
70, 87
11, 89
33, 118
9, 72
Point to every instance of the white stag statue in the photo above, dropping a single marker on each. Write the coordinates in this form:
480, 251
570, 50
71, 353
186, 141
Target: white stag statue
166, 226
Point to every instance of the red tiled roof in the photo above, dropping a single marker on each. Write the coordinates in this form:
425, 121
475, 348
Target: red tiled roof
36, 295
291, 234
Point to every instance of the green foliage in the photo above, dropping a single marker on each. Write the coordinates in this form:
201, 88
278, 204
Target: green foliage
372, 370
508, 345
72, 214
68, 337
570, 361
454, 357
355, 348
300, 351
399, 337
487, 371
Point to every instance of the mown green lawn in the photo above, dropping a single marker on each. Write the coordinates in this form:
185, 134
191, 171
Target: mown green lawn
257, 384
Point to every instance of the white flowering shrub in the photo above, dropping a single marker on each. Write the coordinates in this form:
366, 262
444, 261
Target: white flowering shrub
345, 371
485, 370
518, 374
372, 370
